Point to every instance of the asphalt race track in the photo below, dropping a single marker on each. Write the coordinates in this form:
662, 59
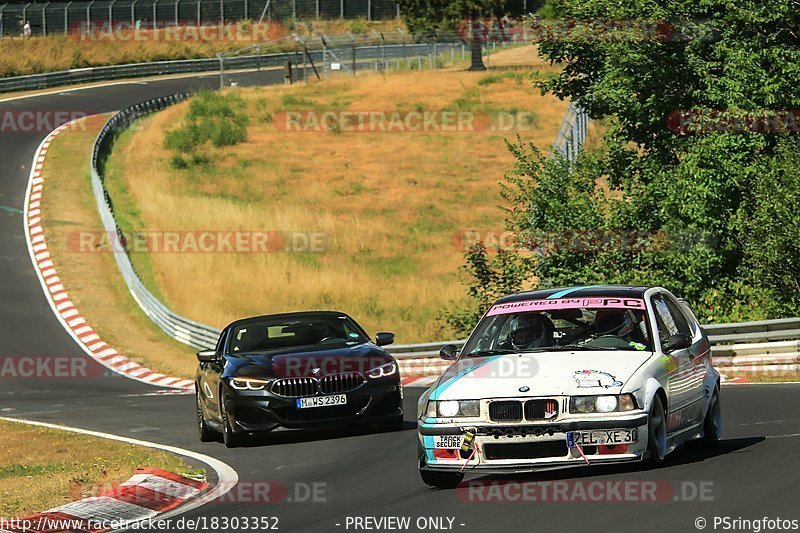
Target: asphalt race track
356, 473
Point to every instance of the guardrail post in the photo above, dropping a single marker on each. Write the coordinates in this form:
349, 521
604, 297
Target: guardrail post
221, 70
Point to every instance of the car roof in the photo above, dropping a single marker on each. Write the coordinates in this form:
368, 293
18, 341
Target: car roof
580, 291
287, 316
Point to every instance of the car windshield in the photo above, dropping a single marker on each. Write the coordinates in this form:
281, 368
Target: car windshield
294, 332
562, 324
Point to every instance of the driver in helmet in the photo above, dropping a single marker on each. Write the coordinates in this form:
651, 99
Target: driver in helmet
623, 324
529, 331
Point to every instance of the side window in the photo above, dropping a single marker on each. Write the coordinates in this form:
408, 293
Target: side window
670, 319
221, 342
680, 317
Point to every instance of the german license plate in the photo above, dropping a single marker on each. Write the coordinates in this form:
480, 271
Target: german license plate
450, 442
322, 401
602, 437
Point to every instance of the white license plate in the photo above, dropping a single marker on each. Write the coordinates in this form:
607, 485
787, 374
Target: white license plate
450, 442
602, 437
321, 401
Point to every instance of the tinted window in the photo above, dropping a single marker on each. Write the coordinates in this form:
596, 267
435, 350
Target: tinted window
309, 330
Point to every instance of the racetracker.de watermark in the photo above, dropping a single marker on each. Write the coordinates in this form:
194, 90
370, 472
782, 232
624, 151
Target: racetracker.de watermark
587, 491
160, 31
544, 242
50, 367
199, 241
413, 121
765, 121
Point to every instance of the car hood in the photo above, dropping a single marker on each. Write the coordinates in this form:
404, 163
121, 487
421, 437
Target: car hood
306, 363
539, 374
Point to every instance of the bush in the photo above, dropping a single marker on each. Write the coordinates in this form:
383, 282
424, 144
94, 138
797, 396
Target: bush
217, 118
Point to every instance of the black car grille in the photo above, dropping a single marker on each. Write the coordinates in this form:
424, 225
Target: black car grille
338, 383
506, 411
526, 450
541, 409
512, 410
296, 387
303, 387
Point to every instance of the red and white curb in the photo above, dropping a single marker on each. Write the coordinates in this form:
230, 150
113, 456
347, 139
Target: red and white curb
73, 321
150, 492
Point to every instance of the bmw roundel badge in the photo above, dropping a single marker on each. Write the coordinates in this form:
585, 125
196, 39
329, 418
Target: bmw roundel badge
524, 388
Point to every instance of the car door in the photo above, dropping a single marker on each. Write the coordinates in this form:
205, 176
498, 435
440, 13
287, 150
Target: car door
685, 394
210, 374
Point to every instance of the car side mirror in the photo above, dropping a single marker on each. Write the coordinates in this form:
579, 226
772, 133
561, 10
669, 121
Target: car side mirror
449, 352
384, 338
207, 356
679, 341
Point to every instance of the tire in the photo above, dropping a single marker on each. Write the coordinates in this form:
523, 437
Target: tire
712, 423
203, 431
441, 480
657, 433
229, 437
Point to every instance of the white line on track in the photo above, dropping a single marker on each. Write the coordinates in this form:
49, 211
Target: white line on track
226, 476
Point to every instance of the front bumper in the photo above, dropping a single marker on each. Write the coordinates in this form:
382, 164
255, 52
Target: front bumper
373, 401
525, 447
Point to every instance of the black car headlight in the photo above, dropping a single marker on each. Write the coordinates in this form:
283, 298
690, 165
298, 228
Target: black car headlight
389, 369
453, 409
606, 403
249, 383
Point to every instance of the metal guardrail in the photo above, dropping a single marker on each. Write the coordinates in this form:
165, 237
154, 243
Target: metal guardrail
180, 328
160, 68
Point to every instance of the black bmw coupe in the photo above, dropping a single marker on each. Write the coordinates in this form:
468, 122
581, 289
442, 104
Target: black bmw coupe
296, 370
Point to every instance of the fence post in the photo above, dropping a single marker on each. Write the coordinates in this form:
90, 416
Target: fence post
341, 9
66, 18
44, 18
369, 9
155, 14
199, 15
246, 10
2, 28
25, 13
176, 12
316, 8
221, 15
89, 12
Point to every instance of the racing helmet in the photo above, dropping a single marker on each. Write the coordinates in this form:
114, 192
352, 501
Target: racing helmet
616, 322
528, 331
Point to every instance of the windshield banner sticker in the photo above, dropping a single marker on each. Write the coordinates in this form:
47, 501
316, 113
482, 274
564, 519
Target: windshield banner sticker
567, 303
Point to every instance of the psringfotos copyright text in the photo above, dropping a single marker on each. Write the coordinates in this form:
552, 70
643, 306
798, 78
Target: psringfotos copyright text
756, 525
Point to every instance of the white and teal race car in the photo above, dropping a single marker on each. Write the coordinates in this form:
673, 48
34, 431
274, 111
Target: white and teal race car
568, 377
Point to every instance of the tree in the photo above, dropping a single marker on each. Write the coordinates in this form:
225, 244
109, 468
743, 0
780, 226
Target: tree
709, 203
464, 16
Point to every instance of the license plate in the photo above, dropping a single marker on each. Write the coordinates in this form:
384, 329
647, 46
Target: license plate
450, 442
602, 437
321, 401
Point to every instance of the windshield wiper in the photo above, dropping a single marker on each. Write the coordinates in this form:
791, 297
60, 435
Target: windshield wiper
584, 347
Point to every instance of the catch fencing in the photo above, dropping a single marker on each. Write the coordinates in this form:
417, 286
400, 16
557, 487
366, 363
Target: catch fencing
50, 18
